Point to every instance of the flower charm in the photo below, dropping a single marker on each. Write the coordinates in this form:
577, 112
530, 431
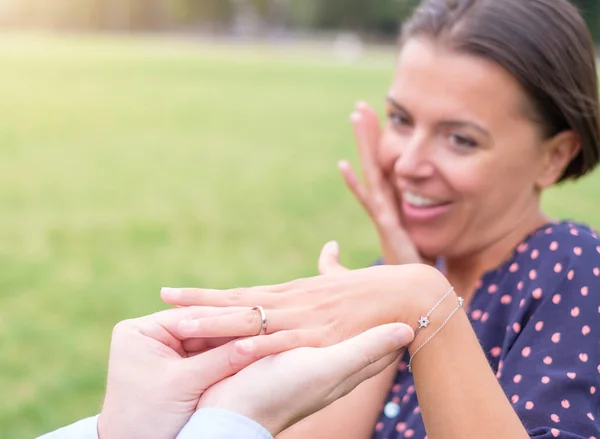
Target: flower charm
423, 322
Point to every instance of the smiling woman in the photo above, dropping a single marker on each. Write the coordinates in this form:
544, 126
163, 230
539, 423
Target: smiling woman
492, 102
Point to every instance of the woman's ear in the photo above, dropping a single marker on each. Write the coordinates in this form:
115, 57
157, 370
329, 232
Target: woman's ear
558, 153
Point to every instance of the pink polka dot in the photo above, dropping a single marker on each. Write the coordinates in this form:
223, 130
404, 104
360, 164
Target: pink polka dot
402, 366
409, 433
410, 390
555, 417
485, 317
396, 388
492, 288
584, 291
537, 293
592, 390
535, 253
599, 368
556, 299
548, 230
565, 403
597, 271
520, 285
416, 410
529, 405
574, 232
575, 312
558, 267
589, 415
401, 427
514, 399
598, 249
532, 274
539, 326
554, 246
583, 357
405, 398
516, 327
548, 360
523, 247
476, 314
572, 375
545, 380
517, 379
555, 432
526, 352
514, 267
578, 251
379, 426
495, 352
556, 337
506, 299
522, 303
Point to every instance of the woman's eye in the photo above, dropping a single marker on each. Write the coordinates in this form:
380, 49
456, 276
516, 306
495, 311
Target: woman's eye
398, 119
462, 141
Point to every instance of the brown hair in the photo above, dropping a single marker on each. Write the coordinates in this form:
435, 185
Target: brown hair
544, 44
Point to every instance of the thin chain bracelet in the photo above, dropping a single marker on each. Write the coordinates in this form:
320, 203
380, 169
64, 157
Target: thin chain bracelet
424, 320
461, 302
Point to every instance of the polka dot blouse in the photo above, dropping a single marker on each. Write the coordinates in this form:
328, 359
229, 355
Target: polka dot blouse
537, 317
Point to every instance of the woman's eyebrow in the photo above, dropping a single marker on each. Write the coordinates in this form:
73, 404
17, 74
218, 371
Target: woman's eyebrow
444, 123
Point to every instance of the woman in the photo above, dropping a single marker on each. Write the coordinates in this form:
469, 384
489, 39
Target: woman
491, 103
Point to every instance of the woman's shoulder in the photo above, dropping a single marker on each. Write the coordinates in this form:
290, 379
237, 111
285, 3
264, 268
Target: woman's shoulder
565, 241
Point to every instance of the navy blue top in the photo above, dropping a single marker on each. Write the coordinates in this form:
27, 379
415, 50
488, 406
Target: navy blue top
537, 317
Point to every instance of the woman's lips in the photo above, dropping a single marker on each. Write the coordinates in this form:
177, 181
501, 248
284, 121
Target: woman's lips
412, 213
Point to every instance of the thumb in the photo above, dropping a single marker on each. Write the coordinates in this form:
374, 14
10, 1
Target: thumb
329, 259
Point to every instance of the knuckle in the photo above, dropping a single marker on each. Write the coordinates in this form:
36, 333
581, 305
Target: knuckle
234, 297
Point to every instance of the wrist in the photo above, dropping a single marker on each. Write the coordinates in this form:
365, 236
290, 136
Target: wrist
422, 286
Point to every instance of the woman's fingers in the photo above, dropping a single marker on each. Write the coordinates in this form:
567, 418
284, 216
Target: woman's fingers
356, 187
367, 141
244, 297
329, 259
245, 323
265, 345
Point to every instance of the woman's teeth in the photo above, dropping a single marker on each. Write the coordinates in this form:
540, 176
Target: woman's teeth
420, 201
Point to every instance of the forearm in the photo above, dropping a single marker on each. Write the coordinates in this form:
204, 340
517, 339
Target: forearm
458, 392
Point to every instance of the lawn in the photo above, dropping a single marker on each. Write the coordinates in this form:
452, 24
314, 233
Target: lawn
130, 164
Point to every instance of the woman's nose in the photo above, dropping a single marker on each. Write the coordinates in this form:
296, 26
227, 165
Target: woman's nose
414, 160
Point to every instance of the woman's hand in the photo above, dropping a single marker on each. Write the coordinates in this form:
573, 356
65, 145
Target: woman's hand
377, 195
282, 389
317, 311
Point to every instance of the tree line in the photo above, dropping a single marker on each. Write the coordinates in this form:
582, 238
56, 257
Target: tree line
370, 17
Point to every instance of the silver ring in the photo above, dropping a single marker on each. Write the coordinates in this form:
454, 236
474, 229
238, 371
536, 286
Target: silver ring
263, 319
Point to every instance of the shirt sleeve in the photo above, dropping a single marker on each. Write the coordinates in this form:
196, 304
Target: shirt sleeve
550, 367
211, 423
84, 429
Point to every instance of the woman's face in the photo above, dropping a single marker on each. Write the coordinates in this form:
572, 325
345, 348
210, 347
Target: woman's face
460, 150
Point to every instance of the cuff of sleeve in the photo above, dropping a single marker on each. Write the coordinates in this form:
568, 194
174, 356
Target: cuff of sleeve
213, 423
84, 429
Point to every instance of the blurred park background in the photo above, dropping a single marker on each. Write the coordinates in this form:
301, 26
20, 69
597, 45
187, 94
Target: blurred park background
155, 143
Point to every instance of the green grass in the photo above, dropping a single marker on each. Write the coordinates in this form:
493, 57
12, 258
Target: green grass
128, 164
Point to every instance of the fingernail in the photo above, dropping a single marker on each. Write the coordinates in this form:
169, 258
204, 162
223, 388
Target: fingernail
170, 293
355, 117
244, 346
188, 325
342, 164
361, 105
403, 334
333, 247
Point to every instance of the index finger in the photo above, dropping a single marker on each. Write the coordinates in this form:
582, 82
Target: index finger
365, 124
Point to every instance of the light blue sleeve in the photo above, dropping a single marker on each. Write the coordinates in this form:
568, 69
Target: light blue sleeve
84, 429
210, 423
